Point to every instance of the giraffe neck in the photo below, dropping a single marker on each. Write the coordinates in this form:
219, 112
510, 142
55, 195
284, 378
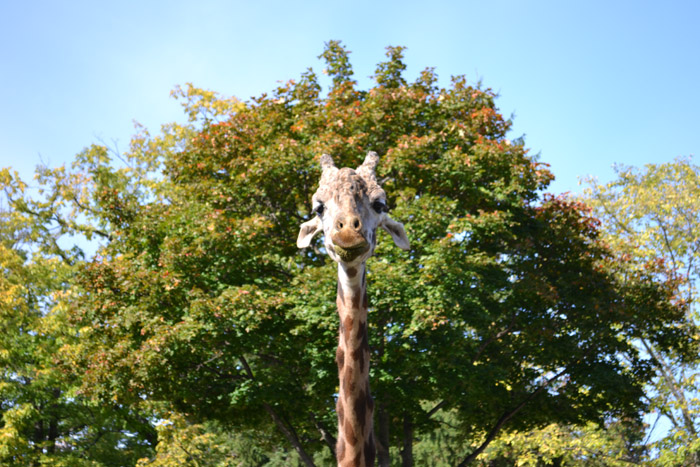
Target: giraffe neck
355, 405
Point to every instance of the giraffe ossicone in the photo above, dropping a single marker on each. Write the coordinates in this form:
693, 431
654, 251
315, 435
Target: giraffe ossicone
349, 207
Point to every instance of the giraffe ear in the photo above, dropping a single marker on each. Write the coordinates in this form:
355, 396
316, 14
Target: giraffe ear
397, 232
308, 231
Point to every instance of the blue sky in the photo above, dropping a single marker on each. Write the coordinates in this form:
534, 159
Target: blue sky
589, 83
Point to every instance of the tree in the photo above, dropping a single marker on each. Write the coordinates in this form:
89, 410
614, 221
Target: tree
651, 215
43, 421
509, 313
616, 445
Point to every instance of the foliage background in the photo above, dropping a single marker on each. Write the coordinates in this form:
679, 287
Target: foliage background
198, 318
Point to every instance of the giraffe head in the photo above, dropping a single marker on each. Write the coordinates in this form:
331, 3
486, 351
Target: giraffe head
350, 206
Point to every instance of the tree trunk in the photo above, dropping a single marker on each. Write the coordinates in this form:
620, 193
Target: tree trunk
53, 434
39, 435
382, 437
407, 451
53, 421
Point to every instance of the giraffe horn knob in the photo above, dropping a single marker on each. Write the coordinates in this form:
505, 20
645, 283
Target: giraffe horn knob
371, 161
327, 162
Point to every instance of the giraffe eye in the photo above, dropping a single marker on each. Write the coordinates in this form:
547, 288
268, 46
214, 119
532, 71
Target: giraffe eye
380, 206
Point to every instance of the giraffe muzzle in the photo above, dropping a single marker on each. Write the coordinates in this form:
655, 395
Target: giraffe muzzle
349, 244
348, 254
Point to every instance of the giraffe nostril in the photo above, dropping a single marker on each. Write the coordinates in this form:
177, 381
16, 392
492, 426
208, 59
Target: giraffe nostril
349, 222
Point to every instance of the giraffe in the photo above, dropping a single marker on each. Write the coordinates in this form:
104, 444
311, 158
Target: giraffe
349, 206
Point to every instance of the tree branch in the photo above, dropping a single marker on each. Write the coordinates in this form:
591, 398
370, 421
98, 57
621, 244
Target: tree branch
494, 338
667, 375
328, 438
286, 428
505, 418
435, 409
481, 349
667, 242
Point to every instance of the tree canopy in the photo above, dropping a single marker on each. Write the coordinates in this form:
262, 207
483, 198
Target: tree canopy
651, 215
508, 313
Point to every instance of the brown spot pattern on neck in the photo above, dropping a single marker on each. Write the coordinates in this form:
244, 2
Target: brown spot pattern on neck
355, 407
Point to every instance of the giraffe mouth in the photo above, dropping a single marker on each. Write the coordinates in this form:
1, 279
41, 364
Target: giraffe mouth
348, 254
